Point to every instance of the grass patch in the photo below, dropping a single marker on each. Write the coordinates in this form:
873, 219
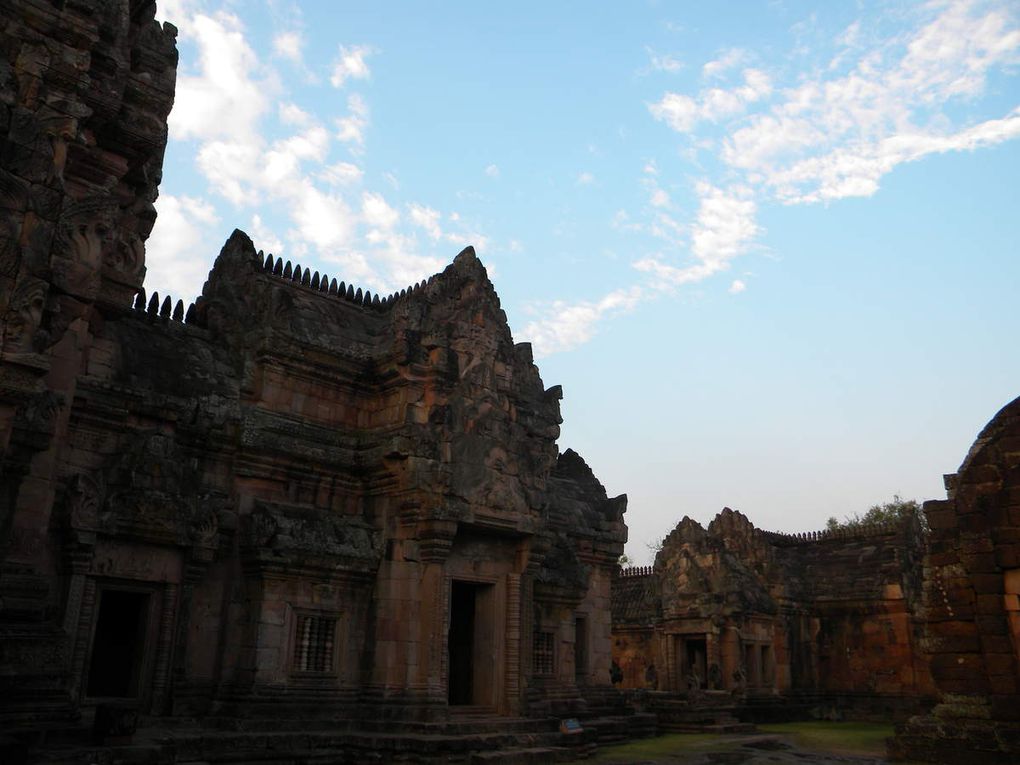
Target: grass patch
836, 737
663, 746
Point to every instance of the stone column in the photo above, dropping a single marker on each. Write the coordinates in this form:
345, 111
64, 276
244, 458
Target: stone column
164, 649
513, 643
435, 539
82, 633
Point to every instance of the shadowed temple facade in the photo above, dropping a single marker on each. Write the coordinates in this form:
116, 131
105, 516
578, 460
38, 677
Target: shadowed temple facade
295, 516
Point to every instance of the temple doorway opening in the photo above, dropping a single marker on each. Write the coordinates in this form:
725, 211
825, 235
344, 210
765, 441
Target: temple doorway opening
581, 649
471, 646
695, 662
118, 646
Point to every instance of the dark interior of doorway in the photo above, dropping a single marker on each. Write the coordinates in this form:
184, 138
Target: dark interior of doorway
696, 651
580, 648
462, 643
118, 645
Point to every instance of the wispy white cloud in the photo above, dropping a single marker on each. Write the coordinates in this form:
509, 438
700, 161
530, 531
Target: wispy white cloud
350, 64
427, 219
663, 62
266, 237
832, 133
289, 45
683, 113
292, 114
227, 96
659, 198
585, 179
376, 211
562, 325
492, 171
724, 228
830, 137
727, 60
351, 128
171, 253
341, 174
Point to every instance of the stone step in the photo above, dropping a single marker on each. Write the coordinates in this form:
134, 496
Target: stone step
529, 756
614, 730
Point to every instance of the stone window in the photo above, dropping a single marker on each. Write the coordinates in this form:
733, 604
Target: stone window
543, 651
315, 643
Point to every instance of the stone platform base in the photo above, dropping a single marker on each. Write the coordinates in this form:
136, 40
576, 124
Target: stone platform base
460, 741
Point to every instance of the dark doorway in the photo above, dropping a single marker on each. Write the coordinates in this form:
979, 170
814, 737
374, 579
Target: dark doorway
695, 664
580, 648
462, 642
118, 646
472, 645
766, 665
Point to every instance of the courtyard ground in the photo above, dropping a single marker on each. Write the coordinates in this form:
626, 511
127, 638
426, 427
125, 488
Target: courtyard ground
804, 743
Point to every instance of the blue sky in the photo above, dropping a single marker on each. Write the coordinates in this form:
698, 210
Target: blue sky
770, 250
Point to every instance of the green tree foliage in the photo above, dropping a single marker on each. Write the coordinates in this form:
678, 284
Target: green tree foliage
888, 512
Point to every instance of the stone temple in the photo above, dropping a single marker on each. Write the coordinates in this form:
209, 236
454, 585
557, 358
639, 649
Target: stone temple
295, 521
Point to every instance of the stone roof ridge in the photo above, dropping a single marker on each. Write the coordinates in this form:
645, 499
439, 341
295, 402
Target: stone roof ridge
467, 265
239, 262
634, 571
166, 311
323, 283
843, 532
572, 464
686, 530
466, 261
727, 517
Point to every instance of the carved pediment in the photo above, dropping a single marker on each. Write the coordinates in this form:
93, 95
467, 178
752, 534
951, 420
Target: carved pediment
148, 494
296, 537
